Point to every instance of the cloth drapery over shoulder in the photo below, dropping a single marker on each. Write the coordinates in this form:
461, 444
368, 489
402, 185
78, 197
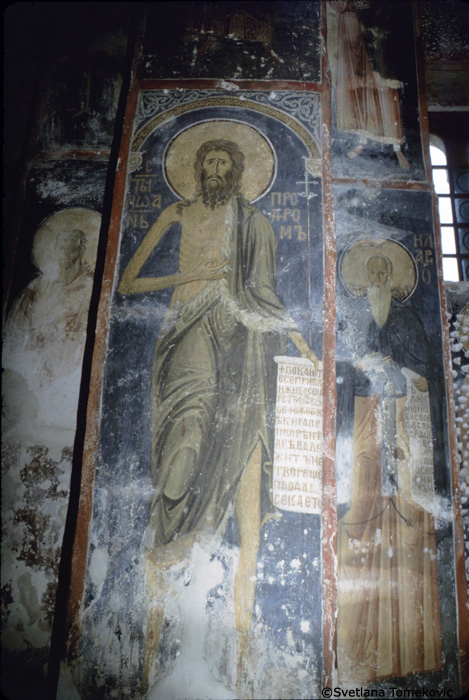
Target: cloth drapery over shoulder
213, 392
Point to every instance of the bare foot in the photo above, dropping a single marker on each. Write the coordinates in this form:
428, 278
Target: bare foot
403, 162
356, 151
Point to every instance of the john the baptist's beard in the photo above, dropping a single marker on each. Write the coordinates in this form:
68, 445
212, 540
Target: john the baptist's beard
216, 190
379, 296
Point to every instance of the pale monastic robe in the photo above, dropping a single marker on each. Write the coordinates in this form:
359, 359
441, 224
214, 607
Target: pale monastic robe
214, 385
367, 102
388, 601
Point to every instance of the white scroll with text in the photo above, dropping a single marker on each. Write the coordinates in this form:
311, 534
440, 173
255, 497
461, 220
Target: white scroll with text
298, 450
418, 426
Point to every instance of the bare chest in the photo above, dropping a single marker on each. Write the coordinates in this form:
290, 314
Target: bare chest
202, 239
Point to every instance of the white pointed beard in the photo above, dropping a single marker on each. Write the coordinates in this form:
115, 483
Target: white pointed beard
380, 297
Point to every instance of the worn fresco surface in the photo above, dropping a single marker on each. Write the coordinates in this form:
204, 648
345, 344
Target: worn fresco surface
44, 340
396, 614
54, 185
444, 33
208, 570
188, 550
71, 66
457, 302
375, 126
230, 40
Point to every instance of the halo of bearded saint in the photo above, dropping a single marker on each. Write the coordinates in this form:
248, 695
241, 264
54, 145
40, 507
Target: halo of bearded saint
77, 222
401, 267
253, 156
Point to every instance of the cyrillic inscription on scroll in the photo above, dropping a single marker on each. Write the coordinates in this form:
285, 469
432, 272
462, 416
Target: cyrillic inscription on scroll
418, 426
298, 436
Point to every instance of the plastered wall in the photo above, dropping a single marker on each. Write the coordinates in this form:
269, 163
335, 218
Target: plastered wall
267, 477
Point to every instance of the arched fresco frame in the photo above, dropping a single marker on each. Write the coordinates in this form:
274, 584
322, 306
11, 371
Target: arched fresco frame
313, 163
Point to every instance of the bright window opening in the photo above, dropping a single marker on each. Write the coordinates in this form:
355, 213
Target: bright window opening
450, 270
448, 242
446, 210
437, 152
440, 180
452, 187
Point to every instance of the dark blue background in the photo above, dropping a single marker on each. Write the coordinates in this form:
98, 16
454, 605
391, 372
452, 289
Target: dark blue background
123, 480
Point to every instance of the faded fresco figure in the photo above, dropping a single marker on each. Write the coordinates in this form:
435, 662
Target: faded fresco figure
367, 97
212, 442
239, 26
388, 598
46, 330
44, 340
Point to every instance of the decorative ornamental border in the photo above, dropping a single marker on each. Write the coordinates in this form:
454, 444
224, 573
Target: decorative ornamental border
304, 107
300, 107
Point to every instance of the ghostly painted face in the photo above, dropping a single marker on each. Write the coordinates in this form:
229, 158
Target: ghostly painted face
70, 246
70, 249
